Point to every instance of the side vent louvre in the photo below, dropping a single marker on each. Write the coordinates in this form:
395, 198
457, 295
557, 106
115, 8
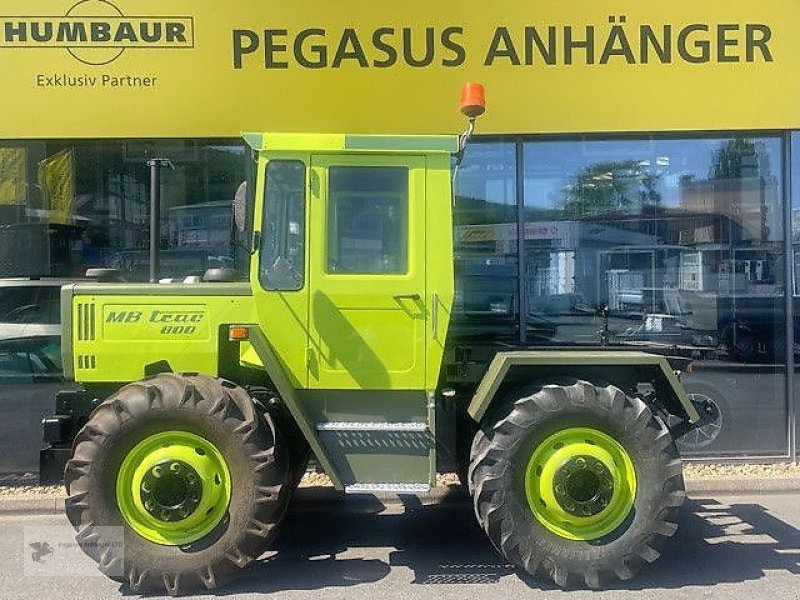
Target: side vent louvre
86, 322
87, 361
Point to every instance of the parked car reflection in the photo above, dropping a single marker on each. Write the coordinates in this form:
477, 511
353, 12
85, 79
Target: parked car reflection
30, 307
30, 375
669, 330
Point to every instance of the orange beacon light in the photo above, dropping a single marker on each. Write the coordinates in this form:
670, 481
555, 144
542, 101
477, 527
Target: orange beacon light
473, 100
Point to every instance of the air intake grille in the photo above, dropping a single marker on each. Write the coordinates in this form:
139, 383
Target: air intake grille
86, 322
87, 361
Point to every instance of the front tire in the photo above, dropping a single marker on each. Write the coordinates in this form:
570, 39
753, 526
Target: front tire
577, 483
194, 477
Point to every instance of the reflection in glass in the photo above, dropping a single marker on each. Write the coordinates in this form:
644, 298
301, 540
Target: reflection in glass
69, 205
673, 246
485, 240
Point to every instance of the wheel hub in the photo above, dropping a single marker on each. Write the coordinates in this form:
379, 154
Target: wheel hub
583, 486
171, 490
580, 483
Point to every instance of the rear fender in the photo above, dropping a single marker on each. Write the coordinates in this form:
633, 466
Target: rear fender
620, 368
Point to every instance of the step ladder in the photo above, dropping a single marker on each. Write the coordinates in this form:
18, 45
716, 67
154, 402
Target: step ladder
375, 457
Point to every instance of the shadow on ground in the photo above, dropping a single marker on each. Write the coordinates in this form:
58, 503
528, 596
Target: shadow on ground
441, 544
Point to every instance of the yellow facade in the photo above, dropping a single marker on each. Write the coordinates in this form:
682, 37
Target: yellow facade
146, 68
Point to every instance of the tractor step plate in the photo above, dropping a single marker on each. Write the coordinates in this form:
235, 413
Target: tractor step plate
388, 488
375, 451
371, 426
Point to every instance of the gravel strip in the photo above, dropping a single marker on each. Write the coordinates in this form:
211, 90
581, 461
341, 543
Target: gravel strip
25, 484
741, 471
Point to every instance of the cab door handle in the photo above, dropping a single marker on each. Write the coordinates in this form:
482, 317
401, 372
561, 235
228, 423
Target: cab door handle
435, 315
414, 297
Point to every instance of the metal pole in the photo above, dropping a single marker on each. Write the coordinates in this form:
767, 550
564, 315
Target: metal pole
155, 165
789, 293
520, 198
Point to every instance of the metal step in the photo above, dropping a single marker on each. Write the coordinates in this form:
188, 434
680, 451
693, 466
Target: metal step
369, 453
387, 488
412, 427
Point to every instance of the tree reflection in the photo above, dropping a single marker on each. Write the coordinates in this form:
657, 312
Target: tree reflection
605, 187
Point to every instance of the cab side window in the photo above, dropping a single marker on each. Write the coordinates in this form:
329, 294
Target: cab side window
367, 225
283, 228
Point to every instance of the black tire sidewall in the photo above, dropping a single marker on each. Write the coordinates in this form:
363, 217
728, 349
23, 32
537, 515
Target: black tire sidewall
649, 480
500, 456
224, 415
102, 490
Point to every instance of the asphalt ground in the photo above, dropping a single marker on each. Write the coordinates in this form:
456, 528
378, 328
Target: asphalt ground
728, 546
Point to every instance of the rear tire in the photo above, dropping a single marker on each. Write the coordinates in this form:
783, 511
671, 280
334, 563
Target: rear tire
500, 476
221, 416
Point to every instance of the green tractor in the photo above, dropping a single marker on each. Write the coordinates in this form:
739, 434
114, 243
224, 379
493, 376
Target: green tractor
201, 402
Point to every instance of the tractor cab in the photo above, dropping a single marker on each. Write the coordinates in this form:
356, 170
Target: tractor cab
351, 266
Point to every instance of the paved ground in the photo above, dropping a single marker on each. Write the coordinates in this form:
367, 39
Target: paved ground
734, 547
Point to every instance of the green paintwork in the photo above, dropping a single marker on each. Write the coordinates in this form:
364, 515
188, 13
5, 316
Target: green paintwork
368, 456
254, 140
410, 143
278, 374
171, 289
379, 456
503, 362
553, 504
439, 276
282, 315
373, 406
368, 345
277, 143
295, 336
151, 454
307, 327
367, 331
67, 354
133, 326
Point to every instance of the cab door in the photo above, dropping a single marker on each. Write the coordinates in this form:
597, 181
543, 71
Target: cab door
367, 305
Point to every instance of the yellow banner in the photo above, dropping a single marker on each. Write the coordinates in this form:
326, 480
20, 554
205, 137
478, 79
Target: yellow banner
56, 177
13, 176
182, 68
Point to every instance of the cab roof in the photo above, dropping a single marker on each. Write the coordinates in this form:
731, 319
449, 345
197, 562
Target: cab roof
336, 142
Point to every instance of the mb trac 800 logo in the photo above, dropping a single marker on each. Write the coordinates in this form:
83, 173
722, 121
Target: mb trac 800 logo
96, 32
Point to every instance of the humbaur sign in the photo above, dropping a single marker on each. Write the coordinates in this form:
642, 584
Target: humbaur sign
96, 32
91, 69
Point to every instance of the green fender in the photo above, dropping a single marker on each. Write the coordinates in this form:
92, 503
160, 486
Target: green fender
614, 364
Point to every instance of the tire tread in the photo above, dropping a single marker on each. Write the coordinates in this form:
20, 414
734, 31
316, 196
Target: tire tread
504, 430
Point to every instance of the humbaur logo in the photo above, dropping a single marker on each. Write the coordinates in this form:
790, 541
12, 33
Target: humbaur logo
96, 32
